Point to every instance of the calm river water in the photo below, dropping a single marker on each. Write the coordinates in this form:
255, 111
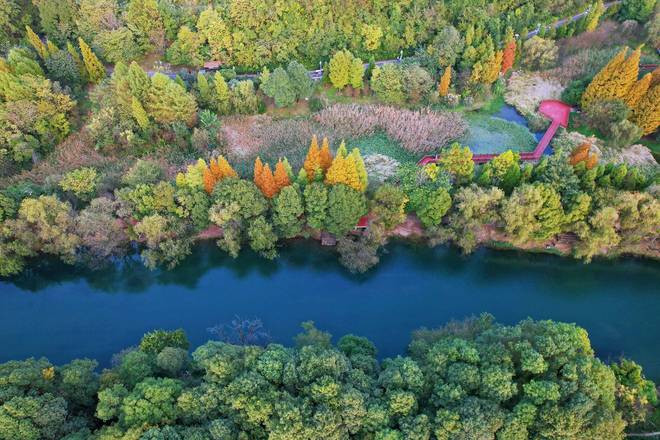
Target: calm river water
63, 313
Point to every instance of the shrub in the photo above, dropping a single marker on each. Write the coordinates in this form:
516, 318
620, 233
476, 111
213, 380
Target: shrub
243, 98
142, 172
387, 84
81, 182
539, 53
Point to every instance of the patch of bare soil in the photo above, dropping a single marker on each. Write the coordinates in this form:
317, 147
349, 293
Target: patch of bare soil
410, 227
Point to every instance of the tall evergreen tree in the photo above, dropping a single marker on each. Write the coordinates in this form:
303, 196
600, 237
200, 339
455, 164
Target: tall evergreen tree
95, 70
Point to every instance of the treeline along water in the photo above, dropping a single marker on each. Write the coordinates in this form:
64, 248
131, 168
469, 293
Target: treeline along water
64, 313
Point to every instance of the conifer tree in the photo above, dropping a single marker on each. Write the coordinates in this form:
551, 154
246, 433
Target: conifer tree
356, 73
509, 56
626, 75
325, 156
52, 48
258, 172
342, 151
287, 167
493, 67
36, 42
445, 81
226, 169
312, 163
139, 113
337, 173
95, 69
204, 90
281, 176
600, 87
215, 169
76, 58
268, 185
138, 82
221, 94
647, 113
638, 90
209, 180
169, 102
360, 169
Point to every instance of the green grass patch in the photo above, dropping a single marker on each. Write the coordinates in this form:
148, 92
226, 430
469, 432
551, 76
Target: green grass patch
493, 106
381, 144
487, 134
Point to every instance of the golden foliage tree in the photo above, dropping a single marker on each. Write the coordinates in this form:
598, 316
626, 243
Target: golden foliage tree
600, 86
139, 113
226, 170
617, 80
325, 156
258, 171
95, 70
493, 67
647, 113
281, 175
445, 81
638, 90
312, 164
509, 56
36, 42
348, 169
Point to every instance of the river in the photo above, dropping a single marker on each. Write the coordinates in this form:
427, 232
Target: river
63, 313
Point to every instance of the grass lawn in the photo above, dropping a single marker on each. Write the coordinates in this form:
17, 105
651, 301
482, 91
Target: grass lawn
486, 134
381, 144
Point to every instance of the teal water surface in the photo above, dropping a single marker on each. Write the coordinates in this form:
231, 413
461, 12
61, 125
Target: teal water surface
63, 313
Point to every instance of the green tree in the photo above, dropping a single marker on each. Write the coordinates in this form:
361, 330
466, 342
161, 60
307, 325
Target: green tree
262, 238
316, 204
457, 160
345, 207
300, 80
288, 210
168, 102
533, 212
222, 94
340, 69
82, 183
279, 87
387, 84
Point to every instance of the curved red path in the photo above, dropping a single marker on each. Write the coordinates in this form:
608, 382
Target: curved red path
553, 109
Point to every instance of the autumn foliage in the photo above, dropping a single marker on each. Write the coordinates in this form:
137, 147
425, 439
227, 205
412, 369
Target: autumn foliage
217, 170
582, 153
348, 169
445, 81
508, 57
270, 183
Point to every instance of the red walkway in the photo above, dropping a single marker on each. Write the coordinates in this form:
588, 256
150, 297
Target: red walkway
556, 111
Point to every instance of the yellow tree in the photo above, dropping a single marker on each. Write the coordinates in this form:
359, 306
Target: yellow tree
281, 175
638, 90
139, 113
268, 185
95, 69
36, 42
325, 156
493, 67
360, 170
258, 172
600, 86
626, 75
445, 81
337, 171
647, 113
509, 56
312, 163
226, 170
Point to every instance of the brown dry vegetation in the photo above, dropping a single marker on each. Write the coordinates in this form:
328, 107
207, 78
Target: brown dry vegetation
418, 131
